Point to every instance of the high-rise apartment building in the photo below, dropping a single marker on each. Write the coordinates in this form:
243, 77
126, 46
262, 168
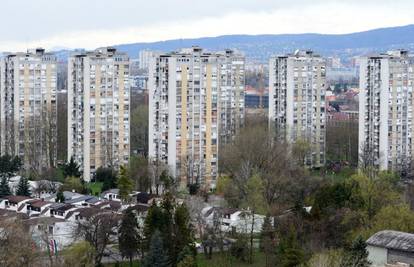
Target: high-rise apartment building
297, 101
144, 57
98, 109
28, 115
196, 102
386, 110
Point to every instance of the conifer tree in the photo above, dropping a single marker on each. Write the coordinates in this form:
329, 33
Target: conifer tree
125, 184
23, 187
129, 237
4, 187
356, 255
157, 255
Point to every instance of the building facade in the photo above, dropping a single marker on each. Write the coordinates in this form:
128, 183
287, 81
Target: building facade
297, 84
98, 109
196, 102
28, 116
386, 110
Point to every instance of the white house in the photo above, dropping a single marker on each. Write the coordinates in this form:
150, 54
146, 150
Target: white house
391, 247
15, 203
230, 219
45, 229
111, 194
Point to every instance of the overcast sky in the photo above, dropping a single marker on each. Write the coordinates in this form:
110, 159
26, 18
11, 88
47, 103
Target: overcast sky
93, 23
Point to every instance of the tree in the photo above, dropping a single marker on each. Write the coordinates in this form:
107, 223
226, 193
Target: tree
330, 258
289, 252
240, 248
4, 187
139, 173
71, 169
300, 150
60, 198
80, 254
395, 217
44, 186
128, 235
267, 240
183, 232
376, 191
186, 258
342, 141
156, 256
73, 183
156, 169
23, 188
9, 165
98, 230
139, 130
16, 245
195, 205
356, 255
173, 222
125, 184
256, 152
107, 176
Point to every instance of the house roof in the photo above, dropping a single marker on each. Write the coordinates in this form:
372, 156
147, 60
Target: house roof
70, 195
219, 210
38, 203
43, 220
61, 207
393, 240
108, 204
89, 199
112, 191
16, 199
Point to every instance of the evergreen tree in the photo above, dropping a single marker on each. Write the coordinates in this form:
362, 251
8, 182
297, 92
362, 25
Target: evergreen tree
173, 221
289, 252
125, 184
267, 238
157, 255
60, 198
186, 258
71, 169
107, 176
183, 236
356, 255
4, 187
23, 187
9, 165
153, 221
129, 237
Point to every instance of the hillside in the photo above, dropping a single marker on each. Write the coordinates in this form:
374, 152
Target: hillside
260, 47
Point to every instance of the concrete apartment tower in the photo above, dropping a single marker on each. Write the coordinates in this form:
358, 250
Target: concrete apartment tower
196, 102
386, 110
28, 83
297, 85
98, 109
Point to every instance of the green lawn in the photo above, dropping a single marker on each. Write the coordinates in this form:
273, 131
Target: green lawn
218, 260
226, 260
96, 188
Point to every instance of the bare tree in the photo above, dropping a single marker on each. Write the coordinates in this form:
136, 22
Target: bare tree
16, 245
195, 205
98, 230
256, 151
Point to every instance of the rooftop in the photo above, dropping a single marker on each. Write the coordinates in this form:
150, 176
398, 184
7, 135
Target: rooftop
393, 240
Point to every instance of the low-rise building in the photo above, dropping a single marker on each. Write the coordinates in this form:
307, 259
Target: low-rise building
391, 247
235, 220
